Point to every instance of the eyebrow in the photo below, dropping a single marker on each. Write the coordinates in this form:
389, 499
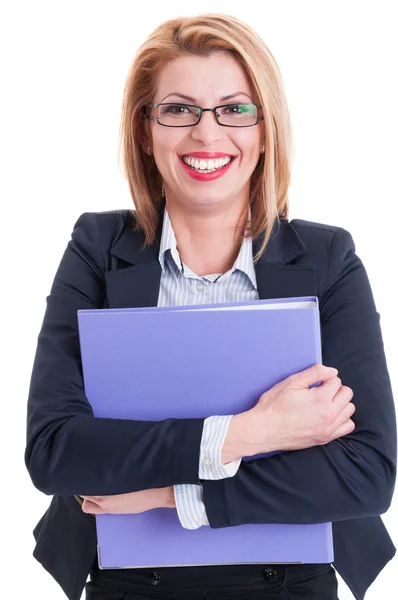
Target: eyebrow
223, 99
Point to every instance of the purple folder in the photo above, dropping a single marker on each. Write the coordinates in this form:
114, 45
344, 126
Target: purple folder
192, 362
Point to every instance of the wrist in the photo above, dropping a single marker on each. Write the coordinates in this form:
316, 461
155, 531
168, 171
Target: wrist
246, 437
169, 500
234, 447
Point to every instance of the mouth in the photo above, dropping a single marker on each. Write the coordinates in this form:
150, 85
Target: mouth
207, 165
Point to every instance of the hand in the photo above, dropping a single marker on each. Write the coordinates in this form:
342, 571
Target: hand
131, 503
292, 416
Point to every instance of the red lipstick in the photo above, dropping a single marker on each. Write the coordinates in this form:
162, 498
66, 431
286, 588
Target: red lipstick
207, 155
206, 176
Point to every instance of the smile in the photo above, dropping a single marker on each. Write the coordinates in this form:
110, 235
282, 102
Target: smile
201, 165
206, 169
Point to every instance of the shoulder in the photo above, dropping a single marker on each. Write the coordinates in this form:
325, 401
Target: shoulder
312, 231
330, 241
330, 248
105, 225
95, 233
109, 220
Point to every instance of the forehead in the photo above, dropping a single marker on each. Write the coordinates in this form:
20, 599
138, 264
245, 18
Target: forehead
210, 77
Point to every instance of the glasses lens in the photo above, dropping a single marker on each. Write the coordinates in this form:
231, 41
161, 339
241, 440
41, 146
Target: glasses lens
237, 115
178, 115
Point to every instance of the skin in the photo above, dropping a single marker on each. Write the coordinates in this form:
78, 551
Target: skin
131, 503
204, 214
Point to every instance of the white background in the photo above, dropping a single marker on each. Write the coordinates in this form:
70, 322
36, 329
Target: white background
63, 70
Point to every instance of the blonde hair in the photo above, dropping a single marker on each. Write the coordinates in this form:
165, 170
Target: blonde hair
202, 35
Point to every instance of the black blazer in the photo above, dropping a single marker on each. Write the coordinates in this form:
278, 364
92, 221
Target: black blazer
349, 481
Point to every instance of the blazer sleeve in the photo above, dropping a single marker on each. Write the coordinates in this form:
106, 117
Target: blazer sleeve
350, 477
68, 450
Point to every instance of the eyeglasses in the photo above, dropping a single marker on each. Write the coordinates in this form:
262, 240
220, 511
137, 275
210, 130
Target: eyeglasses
188, 115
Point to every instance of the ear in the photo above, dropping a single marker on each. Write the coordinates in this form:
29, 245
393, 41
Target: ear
144, 134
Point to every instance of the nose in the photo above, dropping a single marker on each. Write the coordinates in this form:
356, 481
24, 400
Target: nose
207, 130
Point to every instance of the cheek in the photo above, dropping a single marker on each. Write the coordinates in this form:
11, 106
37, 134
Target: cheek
248, 146
166, 141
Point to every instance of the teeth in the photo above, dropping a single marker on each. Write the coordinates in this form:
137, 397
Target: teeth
206, 165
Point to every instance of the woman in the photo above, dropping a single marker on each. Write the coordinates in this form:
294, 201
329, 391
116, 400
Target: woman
207, 151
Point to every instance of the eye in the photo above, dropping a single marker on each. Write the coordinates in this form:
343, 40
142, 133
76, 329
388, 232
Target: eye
240, 109
232, 109
178, 109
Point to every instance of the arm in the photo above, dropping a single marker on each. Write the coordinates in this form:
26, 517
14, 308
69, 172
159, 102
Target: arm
190, 506
68, 450
350, 477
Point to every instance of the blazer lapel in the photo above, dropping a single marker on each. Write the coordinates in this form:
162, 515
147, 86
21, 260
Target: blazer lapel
138, 285
277, 274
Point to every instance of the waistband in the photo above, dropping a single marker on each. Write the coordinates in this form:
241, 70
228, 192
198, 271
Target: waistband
205, 580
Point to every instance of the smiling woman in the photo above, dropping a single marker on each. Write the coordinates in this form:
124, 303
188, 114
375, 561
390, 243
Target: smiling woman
209, 88
192, 135
207, 146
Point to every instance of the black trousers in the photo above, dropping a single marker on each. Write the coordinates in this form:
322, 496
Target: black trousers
227, 582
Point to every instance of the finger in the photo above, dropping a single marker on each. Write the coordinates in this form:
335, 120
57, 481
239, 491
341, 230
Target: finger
92, 508
316, 374
345, 414
344, 429
343, 396
328, 389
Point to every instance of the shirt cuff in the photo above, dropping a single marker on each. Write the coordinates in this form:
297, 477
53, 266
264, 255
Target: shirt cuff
215, 430
190, 505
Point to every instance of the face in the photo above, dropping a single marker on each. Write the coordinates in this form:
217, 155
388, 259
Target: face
206, 81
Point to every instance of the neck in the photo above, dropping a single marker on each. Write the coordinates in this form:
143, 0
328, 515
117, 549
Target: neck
208, 240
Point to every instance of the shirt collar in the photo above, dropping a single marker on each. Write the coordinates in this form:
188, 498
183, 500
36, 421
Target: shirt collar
243, 262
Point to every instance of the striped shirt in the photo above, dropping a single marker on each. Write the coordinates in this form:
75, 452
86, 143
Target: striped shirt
180, 286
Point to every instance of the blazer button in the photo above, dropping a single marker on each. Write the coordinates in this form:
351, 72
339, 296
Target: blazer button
154, 578
270, 575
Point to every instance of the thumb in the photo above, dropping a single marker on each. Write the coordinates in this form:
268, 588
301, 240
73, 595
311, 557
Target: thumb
91, 508
316, 374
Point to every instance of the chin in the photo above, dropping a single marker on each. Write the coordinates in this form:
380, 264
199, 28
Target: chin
206, 198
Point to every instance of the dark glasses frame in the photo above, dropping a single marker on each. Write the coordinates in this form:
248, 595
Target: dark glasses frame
201, 111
